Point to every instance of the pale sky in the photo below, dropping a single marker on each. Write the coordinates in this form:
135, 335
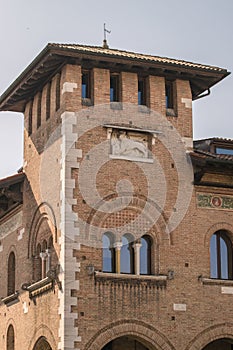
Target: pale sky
198, 31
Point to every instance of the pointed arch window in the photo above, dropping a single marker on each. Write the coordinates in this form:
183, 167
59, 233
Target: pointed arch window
145, 255
108, 260
42, 344
10, 338
127, 254
11, 274
220, 255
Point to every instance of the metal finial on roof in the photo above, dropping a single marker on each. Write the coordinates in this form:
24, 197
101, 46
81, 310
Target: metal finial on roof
105, 44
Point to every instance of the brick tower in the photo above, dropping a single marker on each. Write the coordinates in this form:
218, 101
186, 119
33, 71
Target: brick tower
117, 232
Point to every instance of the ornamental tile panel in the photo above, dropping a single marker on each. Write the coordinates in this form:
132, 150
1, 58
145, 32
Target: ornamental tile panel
213, 201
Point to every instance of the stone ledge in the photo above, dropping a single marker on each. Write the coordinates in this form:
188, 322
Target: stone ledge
40, 287
11, 299
150, 280
217, 282
134, 159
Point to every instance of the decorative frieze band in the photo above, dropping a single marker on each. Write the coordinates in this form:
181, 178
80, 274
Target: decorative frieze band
213, 201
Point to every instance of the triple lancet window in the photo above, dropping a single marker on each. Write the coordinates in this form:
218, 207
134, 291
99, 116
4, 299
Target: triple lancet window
43, 259
127, 256
221, 255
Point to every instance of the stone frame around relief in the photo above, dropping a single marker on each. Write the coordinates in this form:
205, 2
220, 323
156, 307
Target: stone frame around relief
130, 143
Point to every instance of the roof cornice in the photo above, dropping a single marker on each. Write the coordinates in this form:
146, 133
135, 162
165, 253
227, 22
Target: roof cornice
54, 56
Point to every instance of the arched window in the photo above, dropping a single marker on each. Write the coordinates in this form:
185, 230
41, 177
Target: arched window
108, 261
145, 255
127, 254
10, 338
220, 255
11, 274
42, 344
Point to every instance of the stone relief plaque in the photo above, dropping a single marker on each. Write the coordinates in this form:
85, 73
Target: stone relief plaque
129, 145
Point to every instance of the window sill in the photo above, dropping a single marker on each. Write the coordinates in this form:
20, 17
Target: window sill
40, 287
143, 109
170, 112
150, 280
215, 281
87, 102
116, 106
11, 299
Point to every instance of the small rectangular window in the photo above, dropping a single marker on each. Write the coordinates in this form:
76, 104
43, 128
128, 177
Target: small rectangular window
169, 94
86, 90
114, 88
58, 88
39, 109
30, 118
48, 100
141, 91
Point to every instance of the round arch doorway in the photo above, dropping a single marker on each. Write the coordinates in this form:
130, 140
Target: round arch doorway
220, 344
126, 343
42, 344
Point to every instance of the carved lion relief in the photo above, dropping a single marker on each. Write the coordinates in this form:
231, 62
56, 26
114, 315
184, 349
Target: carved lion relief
129, 144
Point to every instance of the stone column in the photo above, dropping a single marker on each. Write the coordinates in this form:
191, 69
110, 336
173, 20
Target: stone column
43, 258
48, 260
136, 247
117, 246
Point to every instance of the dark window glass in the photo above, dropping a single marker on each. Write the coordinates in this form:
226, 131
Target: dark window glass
220, 256
127, 256
213, 257
86, 84
169, 94
42, 344
224, 151
38, 264
10, 338
39, 109
11, 274
145, 255
141, 92
114, 88
108, 346
58, 90
108, 253
48, 100
30, 118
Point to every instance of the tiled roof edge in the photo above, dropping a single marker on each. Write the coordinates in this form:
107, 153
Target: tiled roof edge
134, 55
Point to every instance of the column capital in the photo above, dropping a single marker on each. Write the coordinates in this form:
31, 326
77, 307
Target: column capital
117, 245
137, 245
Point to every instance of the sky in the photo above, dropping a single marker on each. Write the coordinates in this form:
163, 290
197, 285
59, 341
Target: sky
197, 31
